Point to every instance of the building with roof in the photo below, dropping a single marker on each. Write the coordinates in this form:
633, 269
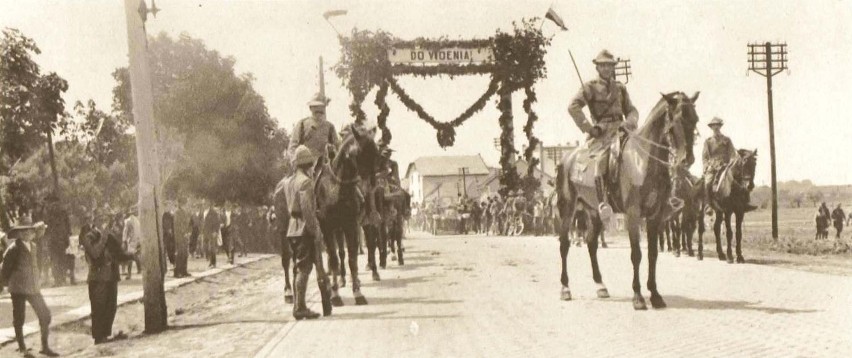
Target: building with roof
445, 178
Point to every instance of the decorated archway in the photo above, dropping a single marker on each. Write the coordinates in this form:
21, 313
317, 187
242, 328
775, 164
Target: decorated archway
515, 61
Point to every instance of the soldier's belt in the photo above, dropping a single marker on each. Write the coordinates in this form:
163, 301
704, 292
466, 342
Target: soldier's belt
610, 119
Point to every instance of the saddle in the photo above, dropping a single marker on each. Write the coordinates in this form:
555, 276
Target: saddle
604, 162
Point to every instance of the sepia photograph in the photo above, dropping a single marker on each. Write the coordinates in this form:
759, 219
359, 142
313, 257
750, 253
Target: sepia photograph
425, 178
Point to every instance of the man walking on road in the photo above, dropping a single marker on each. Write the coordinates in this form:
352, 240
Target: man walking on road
19, 273
210, 225
303, 230
132, 243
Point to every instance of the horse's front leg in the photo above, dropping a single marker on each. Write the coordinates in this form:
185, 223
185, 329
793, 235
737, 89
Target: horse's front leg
566, 213
653, 229
729, 235
592, 240
717, 230
350, 233
632, 221
739, 222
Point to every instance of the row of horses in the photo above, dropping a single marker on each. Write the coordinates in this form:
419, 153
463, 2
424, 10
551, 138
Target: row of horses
652, 183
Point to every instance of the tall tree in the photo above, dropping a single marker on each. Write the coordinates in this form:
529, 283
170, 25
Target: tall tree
227, 136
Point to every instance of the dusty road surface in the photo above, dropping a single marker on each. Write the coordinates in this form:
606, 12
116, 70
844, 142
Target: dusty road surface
474, 296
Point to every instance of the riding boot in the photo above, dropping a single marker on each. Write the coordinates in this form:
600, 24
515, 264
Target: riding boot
301, 310
604, 209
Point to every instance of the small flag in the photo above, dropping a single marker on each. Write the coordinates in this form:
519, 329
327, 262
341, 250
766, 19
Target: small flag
333, 13
555, 18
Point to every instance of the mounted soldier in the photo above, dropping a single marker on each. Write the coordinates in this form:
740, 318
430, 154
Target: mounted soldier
315, 132
719, 152
611, 110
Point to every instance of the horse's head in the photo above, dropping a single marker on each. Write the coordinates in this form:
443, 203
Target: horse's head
681, 121
359, 151
746, 168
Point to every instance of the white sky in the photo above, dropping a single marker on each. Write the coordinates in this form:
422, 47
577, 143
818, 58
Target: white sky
673, 44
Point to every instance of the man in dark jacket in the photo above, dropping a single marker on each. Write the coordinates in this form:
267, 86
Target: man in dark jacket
19, 274
211, 223
838, 216
169, 231
182, 232
103, 253
57, 237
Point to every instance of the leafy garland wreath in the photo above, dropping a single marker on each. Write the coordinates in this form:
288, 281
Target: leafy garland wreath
518, 64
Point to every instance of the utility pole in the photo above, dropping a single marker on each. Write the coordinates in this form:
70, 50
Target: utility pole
321, 80
622, 68
52, 158
463, 171
768, 59
153, 263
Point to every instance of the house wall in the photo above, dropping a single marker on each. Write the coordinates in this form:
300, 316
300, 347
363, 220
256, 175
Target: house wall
448, 192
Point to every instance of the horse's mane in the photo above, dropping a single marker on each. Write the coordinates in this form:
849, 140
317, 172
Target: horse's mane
657, 113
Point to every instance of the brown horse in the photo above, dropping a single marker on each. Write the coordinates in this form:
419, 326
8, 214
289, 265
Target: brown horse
643, 190
739, 177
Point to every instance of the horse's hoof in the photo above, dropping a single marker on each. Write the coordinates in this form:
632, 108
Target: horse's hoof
360, 300
657, 301
603, 293
677, 254
740, 260
604, 245
690, 254
336, 301
700, 257
565, 295
639, 303
730, 260
722, 256
288, 299
376, 276
393, 257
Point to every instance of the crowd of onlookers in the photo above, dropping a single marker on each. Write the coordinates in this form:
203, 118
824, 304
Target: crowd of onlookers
836, 218
39, 250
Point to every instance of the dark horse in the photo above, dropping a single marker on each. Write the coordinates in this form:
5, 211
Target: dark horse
339, 205
690, 189
736, 183
644, 190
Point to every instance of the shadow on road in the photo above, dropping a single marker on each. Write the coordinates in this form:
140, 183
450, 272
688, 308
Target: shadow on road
410, 300
384, 315
681, 302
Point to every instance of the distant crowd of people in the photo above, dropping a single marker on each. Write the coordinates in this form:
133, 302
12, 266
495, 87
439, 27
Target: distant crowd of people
836, 217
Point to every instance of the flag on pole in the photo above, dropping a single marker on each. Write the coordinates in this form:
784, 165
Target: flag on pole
333, 13
552, 16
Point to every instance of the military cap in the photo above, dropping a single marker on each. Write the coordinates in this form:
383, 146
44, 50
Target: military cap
604, 57
303, 156
318, 100
716, 121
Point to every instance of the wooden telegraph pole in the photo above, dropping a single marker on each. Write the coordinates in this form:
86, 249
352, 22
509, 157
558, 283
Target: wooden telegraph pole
768, 59
149, 173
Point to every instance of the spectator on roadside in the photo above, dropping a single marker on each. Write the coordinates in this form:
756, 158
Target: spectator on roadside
538, 217
168, 223
104, 253
838, 216
131, 242
19, 273
182, 231
581, 226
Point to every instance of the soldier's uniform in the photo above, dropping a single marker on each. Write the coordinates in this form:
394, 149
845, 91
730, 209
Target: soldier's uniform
718, 152
303, 228
314, 133
610, 108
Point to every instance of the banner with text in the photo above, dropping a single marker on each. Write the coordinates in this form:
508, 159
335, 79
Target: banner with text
451, 56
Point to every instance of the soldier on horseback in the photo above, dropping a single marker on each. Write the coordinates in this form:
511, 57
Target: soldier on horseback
315, 132
719, 151
611, 110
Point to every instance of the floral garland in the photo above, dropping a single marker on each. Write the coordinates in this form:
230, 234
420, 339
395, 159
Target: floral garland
446, 130
384, 110
530, 183
518, 64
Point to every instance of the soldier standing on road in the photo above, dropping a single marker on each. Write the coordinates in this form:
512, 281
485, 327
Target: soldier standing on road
838, 216
303, 230
19, 274
610, 108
